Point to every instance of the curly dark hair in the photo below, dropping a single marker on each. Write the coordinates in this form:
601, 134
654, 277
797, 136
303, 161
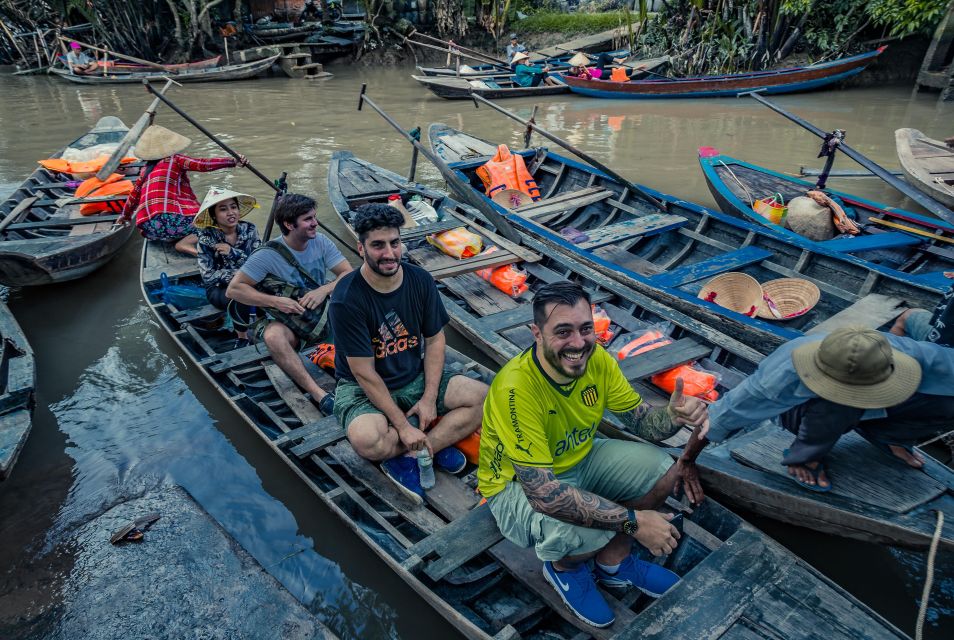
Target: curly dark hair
289, 208
369, 217
561, 292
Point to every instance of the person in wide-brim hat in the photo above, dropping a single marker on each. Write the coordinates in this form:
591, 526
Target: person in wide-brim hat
162, 201
206, 216
529, 75
892, 390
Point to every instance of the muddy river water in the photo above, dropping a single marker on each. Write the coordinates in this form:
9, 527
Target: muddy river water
120, 411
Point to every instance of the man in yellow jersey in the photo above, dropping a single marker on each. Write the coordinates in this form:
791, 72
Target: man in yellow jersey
551, 484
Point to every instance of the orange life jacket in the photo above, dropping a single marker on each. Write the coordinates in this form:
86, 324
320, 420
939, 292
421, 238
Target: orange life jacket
470, 447
93, 187
79, 169
507, 171
619, 75
696, 382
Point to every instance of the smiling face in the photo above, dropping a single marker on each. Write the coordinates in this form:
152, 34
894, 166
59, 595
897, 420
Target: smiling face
566, 340
305, 227
226, 214
381, 250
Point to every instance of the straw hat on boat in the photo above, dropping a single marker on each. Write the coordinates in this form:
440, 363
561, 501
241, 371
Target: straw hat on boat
517, 57
579, 60
737, 291
511, 198
216, 195
856, 367
809, 219
786, 298
157, 142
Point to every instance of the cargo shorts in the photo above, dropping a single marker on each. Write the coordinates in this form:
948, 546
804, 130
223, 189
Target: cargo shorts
351, 400
617, 470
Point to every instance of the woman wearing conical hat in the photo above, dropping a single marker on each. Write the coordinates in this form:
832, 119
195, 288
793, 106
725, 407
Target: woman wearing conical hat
225, 243
162, 200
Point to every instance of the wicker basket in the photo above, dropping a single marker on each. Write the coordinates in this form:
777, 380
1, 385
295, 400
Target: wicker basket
737, 291
792, 297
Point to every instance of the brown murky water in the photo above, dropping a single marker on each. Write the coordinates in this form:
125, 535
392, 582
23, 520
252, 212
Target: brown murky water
120, 411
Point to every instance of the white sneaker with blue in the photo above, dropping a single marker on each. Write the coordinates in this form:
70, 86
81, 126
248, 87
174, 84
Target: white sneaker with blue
578, 591
649, 578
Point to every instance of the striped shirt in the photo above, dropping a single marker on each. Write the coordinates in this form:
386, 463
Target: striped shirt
166, 188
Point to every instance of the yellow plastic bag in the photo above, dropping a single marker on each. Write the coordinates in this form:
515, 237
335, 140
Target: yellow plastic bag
772, 208
457, 243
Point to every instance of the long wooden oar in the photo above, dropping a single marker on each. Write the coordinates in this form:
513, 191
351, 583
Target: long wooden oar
447, 43
154, 65
454, 52
463, 190
132, 136
569, 147
921, 198
281, 186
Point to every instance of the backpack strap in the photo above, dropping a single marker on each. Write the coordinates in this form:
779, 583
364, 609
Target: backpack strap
282, 249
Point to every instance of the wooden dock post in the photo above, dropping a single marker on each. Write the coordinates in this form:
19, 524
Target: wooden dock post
933, 73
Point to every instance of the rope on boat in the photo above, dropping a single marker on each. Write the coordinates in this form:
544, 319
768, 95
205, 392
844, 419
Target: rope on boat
744, 188
929, 579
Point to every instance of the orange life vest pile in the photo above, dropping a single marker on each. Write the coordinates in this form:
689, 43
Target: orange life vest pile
697, 382
507, 171
93, 187
508, 278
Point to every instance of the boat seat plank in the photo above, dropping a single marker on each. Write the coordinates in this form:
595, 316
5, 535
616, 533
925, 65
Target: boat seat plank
644, 226
442, 266
163, 258
664, 358
196, 313
481, 296
409, 234
887, 240
330, 433
563, 202
628, 260
858, 470
463, 539
237, 357
731, 261
304, 431
523, 315
873, 310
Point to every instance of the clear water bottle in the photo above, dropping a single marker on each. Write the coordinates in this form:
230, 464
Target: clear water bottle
426, 465
420, 211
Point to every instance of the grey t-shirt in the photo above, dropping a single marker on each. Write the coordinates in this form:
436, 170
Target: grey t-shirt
78, 59
319, 256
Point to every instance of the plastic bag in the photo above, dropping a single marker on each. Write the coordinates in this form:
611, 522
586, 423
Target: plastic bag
697, 381
508, 278
772, 208
457, 243
181, 296
601, 325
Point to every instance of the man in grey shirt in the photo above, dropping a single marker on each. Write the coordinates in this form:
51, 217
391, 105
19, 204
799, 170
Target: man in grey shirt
79, 62
514, 47
316, 254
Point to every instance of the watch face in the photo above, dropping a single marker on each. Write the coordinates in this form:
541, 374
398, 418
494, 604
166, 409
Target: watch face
630, 527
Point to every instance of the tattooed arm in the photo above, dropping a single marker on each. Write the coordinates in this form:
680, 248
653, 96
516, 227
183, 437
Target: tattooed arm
559, 500
661, 423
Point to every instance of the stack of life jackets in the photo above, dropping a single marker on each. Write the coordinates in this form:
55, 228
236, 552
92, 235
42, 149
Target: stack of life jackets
507, 171
696, 382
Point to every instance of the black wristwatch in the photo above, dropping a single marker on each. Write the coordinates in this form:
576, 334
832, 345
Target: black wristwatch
630, 527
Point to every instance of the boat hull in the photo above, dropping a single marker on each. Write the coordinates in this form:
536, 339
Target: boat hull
924, 161
17, 390
231, 72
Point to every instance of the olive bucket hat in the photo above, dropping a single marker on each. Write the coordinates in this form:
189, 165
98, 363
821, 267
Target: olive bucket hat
216, 195
856, 367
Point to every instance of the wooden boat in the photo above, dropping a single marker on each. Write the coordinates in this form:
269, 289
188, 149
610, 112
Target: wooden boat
776, 81
17, 385
450, 552
745, 468
894, 238
116, 67
928, 164
34, 249
558, 62
242, 71
670, 255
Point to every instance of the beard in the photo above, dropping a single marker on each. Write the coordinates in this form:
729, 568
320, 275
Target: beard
559, 362
383, 271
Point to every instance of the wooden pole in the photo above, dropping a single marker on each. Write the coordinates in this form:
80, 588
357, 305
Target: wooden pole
446, 50
566, 145
132, 136
154, 65
281, 186
457, 46
15, 44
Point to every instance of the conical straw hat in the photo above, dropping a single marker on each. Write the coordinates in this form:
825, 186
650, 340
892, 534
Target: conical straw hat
737, 291
579, 60
511, 198
517, 57
216, 195
792, 297
157, 142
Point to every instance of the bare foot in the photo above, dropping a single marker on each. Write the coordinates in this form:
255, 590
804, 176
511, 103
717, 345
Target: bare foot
912, 458
805, 473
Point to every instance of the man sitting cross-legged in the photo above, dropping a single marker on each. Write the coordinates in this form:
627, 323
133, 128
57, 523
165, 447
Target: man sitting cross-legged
388, 319
552, 484
286, 277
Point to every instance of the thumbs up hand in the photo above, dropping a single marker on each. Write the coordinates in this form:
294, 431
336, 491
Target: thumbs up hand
688, 410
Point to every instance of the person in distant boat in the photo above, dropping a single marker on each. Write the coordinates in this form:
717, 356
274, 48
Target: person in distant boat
225, 243
287, 278
162, 200
579, 69
78, 62
892, 390
930, 326
388, 322
530, 75
514, 48
551, 483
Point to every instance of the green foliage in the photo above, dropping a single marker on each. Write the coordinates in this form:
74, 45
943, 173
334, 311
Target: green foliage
570, 22
904, 17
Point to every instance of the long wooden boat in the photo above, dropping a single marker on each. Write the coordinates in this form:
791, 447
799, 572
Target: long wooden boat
121, 66
894, 238
745, 468
559, 62
450, 552
17, 387
242, 71
776, 81
34, 249
928, 164
669, 255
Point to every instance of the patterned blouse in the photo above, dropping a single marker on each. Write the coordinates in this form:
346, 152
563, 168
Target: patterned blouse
217, 270
166, 188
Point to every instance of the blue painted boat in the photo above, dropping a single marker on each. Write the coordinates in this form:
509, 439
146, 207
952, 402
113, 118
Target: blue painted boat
908, 242
557, 63
670, 254
775, 81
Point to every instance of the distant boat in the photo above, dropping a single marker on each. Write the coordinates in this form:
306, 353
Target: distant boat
242, 71
776, 81
17, 388
928, 164
557, 63
121, 66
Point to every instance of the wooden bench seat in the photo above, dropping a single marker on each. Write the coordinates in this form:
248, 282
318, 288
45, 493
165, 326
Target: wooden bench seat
563, 202
461, 540
644, 226
705, 269
663, 358
872, 311
886, 240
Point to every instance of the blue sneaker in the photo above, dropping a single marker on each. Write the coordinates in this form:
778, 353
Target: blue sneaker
451, 460
403, 472
580, 595
649, 578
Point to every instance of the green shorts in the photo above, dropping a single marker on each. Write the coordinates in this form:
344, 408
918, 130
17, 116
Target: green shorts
617, 470
351, 401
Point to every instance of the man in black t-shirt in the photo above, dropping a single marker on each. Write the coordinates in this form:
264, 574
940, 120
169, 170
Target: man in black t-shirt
387, 319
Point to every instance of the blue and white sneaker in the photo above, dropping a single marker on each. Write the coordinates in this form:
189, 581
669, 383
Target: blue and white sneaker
403, 471
450, 459
649, 578
578, 591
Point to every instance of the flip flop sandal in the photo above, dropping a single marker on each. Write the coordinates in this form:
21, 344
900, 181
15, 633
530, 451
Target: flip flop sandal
885, 449
817, 471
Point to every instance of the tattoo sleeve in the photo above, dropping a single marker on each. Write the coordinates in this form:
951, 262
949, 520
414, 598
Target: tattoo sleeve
652, 424
564, 502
